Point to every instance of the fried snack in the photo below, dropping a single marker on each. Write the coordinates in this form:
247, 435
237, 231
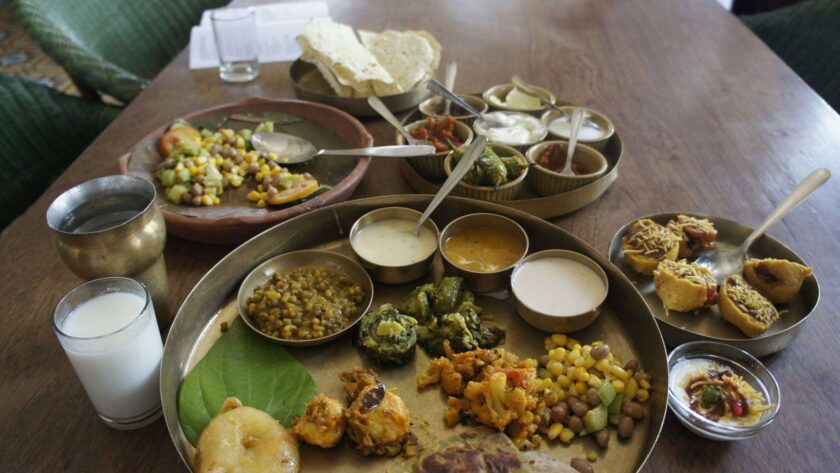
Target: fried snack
696, 235
684, 286
245, 440
323, 423
744, 307
777, 279
647, 243
378, 421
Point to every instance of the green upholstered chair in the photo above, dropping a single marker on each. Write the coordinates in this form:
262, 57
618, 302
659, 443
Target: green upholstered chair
807, 37
112, 46
41, 132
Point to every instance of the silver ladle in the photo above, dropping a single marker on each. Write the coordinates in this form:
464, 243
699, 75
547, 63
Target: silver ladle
435, 86
725, 262
529, 89
577, 119
295, 150
380, 108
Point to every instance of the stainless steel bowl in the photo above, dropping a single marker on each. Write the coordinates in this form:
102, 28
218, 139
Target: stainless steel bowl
554, 323
433, 107
303, 259
394, 274
478, 281
742, 364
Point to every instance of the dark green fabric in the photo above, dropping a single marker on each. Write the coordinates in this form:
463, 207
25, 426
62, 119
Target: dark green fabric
113, 46
807, 37
41, 133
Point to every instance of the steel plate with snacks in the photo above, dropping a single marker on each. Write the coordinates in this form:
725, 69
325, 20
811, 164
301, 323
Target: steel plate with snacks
527, 199
707, 324
235, 218
625, 325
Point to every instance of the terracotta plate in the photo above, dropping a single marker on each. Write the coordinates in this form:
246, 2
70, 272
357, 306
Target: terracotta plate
237, 219
707, 324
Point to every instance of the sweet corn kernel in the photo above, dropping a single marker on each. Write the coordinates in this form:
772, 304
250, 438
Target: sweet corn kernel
566, 435
193, 170
570, 371
561, 395
581, 374
559, 339
272, 156
644, 384
572, 356
579, 361
206, 200
591, 457
260, 188
577, 346
630, 388
619, 372
602, 365
642, 395
275, 171
563, 381
261, 204
618, 385
589, 363
558, 354
240, 142
581, 388
595, 381
555, 368
216, 200
570, 343
555, 430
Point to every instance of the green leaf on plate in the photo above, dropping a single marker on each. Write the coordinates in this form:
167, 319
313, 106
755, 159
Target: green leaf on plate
243, 364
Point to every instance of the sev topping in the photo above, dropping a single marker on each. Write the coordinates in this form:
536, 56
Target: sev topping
749, 300
650, 239
700, 224
691, 272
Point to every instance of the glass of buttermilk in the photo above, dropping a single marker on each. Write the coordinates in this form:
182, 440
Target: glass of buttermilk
108, 330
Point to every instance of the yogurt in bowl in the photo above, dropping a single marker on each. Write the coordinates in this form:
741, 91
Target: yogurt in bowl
559, 290
519, 129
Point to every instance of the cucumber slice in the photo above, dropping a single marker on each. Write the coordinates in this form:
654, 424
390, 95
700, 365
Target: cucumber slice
595, 419
607, 393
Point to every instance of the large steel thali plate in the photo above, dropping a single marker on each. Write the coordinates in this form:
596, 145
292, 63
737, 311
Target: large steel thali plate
707, 324
626, 324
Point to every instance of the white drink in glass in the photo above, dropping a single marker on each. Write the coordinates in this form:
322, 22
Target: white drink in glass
109, 332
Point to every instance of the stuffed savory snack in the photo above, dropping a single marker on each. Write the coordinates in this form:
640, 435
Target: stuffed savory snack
387, 337
777, 279
744, 307
684, 286
696, 234
647, 243
323, 423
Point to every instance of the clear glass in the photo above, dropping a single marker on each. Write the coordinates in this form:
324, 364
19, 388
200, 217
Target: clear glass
235, 31
108, 330
742, 364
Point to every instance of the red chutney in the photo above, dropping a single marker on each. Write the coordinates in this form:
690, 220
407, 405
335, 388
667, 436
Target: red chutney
554, 159
440, 132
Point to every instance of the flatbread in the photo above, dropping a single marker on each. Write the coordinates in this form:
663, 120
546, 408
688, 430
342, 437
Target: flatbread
410, 57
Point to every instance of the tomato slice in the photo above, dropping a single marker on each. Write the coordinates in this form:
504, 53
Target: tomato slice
296, 192
176, 136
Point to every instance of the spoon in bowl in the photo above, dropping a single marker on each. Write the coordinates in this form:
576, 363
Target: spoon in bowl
577, 119
517, 81
380, 107
295, 150
435, 86
470, 155
449, 73
725, 262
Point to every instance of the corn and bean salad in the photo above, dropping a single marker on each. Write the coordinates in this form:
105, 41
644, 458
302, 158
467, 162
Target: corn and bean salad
201, 164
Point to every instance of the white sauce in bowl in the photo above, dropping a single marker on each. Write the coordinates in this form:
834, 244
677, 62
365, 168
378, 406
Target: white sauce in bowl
392, 242
562, 127
523, 129
558, 286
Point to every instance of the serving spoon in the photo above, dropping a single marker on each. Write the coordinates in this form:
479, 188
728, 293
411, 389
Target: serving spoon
577, 119
470, 155
296, 150
725, 262
528, 88
449, 73
435, 86
380, 108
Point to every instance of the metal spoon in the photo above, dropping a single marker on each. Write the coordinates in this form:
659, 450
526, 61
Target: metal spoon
517, 81
294, 149
435, 86
470, 155
577, 119
725, 262
449, 73
389, 117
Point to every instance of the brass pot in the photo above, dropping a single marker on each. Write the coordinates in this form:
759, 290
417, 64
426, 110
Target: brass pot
110, 226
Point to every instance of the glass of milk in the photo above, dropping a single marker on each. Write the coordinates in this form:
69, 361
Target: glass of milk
108, 330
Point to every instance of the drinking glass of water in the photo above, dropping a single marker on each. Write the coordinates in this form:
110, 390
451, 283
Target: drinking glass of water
108, 330
235, 30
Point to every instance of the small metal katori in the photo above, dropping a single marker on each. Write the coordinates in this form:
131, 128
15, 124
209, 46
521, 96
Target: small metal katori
707, 324
625, 323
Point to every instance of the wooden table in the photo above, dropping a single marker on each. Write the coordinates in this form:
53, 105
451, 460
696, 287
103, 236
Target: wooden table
712, 121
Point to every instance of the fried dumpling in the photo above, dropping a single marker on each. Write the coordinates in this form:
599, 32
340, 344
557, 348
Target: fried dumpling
378, 421
684, 286
744, 307
696, 234
647, 243
323, 423
777, 279
242, 439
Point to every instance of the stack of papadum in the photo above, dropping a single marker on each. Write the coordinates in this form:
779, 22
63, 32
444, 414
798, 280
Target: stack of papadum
387, 63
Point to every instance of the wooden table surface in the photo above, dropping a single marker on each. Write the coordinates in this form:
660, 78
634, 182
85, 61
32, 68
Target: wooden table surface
711, 119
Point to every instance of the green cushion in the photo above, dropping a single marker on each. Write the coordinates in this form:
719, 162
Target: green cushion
113, 46
807, 37
41, 133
